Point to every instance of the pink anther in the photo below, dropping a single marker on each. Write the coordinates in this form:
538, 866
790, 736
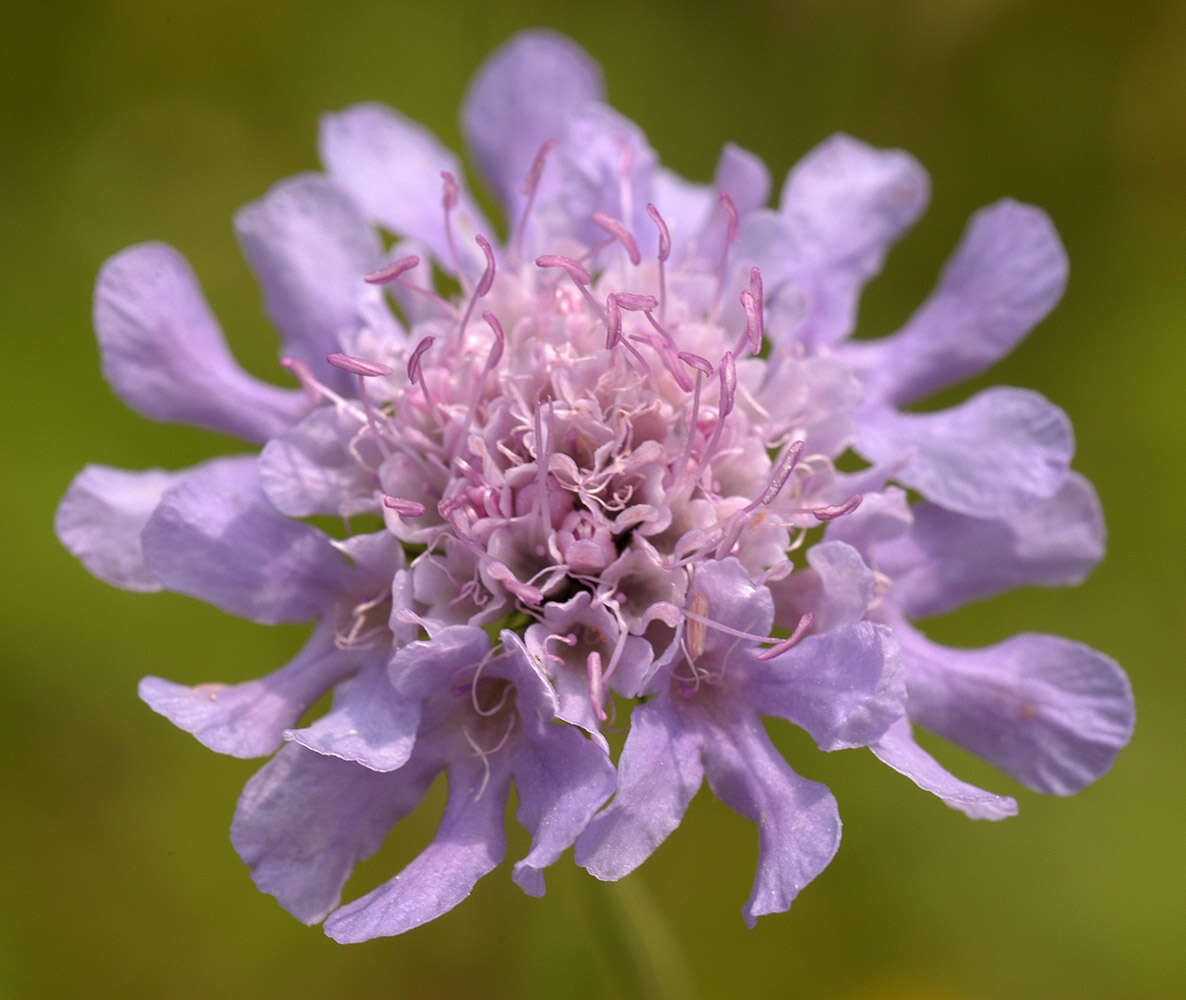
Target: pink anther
664, 233
451, 193
837, 510
574, 270
487, 278
801, 629
696, 361
499, 339
403, 506
634, 302
619, 231
728, 373
531, 181
393, 271
414, 360
358, 366
731, 215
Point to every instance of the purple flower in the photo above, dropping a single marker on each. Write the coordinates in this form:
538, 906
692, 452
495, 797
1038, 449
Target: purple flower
598, 468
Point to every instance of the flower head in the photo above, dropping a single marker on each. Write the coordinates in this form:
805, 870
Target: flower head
606, 475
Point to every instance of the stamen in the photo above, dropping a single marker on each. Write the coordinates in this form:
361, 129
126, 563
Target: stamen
530, 187
313, 389
392, 271
483, 286
491, 360
596, 694
499, 340
780, 644
837, 510
731, 228
524, 591
417, 354
449, 198
801, 629
751, 336
574, 270
635, 302
696, 361
364, 369
664, 233
580, 277
416, 376
728, 376
778, 479
403, 506
619, 231
358, 366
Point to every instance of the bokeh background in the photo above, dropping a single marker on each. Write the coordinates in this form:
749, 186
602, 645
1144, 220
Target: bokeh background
134, 120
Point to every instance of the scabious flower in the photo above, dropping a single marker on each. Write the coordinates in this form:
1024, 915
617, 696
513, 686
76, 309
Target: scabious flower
606, 475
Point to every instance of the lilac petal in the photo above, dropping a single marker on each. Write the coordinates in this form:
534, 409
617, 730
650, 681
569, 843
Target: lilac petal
519, 99
368, 724
1050, 712
949, 559
392, 167
744, 177
101, 517
1005, 276
249, 719
992, 456
898, 750
310, 469
422, 669
846, 585
659, 772
683, 206
304, 821
469, 843
846, 203
310, 246
214, 536
798, 822
165, 356
562, 780
845, 687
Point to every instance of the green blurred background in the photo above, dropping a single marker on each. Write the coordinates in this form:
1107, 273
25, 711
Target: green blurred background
127, 121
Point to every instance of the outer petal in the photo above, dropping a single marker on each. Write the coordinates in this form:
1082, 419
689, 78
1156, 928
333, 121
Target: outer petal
249, 719
468, 844
520, 98
898, 750
100, 519
992, 456
1050, 712
165, 355
658, 774
392, 167
214, 536
846, 203
304, 821
310, 470
845, 687
949, 559
1005, 276
310, 246
798, 823
369, 723
562, 780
